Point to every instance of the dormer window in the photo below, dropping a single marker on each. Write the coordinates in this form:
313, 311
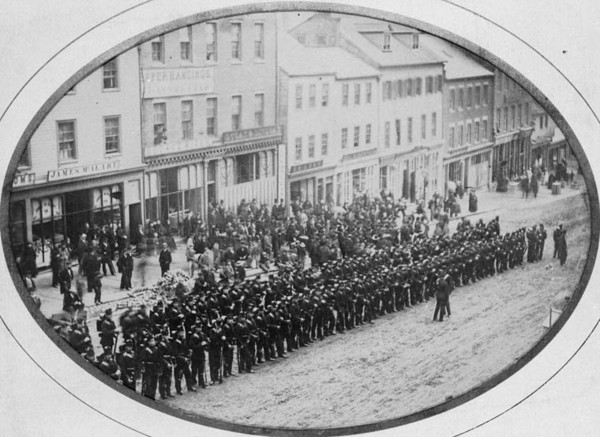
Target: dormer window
415, 41
387, 37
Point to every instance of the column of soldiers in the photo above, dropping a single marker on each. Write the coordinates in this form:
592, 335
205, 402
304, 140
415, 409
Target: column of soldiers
200, 337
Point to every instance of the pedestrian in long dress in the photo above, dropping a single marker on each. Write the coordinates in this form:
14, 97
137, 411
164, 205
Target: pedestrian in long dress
562, 245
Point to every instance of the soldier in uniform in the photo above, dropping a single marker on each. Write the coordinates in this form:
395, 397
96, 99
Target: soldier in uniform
166, 367
127, 363
215, 351
150, 358
181, 353
228, 344
108, 330
198, 344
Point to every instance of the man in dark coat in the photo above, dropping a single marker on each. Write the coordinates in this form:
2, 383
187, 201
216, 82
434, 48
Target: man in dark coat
164, 259
125, 266
442, 295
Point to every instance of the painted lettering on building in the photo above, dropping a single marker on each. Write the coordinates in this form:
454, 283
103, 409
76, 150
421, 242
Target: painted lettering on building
23, 179
361, 154
85, 170
170, 82
251, 134
306, 166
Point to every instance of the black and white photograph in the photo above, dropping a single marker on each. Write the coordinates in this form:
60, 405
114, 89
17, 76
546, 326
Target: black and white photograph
296, 220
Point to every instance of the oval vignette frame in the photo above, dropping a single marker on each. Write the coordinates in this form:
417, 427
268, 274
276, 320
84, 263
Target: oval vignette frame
309, 7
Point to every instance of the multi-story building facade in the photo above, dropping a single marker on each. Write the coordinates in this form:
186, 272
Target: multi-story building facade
407, 153
548, 144
209, 127
83, 163
468, 114
329, 110
512, 130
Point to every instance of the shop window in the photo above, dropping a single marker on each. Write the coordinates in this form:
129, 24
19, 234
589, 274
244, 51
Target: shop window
236, 41
211, 116
211, 41
160, 123
247, 168
259, 40
110, 75
67, 145
112, 135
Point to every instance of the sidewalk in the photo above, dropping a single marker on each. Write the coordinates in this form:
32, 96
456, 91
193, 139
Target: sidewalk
490, 204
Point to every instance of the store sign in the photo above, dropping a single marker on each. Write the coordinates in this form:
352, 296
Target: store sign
361, 154
251, 134
170, 82
306, 166
85, 170
23, 179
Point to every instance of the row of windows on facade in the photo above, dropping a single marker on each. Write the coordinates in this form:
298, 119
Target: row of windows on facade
505, 83
312, 94
398, 89
187, 117
67, 140
211, 41
473, 135
511, 117
367, 139
409, 129
474, 96
110, 77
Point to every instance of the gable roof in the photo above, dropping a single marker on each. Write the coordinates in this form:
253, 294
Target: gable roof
298, 60
459, 63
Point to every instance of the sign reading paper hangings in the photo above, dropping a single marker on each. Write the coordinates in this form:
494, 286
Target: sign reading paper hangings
84, 170
170, 82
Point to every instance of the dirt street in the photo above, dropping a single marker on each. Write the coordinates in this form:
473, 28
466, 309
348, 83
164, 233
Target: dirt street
405, 362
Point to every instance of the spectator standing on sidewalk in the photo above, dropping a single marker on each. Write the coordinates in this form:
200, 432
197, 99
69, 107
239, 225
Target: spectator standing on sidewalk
562, 245
125, 266
164, 259
472, 201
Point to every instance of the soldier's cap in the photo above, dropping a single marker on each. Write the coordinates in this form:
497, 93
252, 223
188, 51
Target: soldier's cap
108, 311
